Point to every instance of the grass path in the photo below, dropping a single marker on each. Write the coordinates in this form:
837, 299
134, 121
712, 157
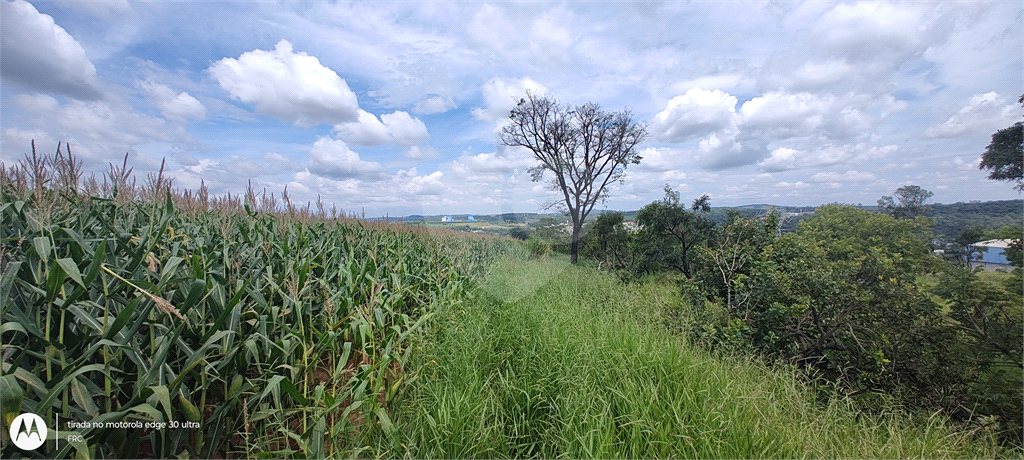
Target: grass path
550, 360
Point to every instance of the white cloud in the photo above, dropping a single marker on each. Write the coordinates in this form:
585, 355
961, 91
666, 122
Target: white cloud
18, 142
984, 112
333, 159
367, 131
104, 9
693, 114
857, 47
279, 162
850, 176
292, 87
40, 55
500, 96
412, 184
866, 31
404, 129
786, 114
722, 81
824, 78
340, 188
723, 150
771, 129
551, 36
657, 159
780, 159
525, 33
491, 28
435, 104
982, 53
490, 164
397, 128
234, 167
97, 129
178, 106
421, 153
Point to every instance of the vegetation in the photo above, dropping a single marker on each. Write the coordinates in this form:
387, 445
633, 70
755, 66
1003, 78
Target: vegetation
1004, 156
840, 298
949, 219
276, 329
908, 204
977, 346
585, 148
253, 327
670, 233
551, 360
960, 224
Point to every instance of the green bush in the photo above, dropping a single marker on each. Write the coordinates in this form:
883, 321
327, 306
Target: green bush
977, 363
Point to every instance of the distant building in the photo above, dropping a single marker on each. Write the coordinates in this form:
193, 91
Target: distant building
989, 254
446, 219
470, 218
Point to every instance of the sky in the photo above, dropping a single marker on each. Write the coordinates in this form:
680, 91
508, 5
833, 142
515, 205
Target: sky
395, 108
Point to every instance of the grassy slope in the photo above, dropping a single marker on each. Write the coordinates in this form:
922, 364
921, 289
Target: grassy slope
552, 361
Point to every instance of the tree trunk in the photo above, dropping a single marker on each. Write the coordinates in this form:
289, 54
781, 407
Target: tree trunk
575, 247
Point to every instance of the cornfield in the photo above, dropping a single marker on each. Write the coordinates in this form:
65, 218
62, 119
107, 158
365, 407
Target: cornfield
165, 323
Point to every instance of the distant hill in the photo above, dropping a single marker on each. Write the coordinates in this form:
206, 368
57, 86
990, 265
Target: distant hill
989, 215
949, 218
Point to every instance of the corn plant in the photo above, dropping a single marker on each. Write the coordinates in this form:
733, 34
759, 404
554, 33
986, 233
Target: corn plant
176, 324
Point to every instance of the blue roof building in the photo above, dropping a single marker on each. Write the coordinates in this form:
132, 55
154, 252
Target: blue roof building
989, 254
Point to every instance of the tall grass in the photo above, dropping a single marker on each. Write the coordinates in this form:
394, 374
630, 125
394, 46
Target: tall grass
280, 329
550, 361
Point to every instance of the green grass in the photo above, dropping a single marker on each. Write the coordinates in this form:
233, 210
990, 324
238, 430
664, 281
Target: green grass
550, 360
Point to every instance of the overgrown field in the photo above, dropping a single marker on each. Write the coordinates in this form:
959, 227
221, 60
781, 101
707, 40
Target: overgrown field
178, 325
555, 361
278, 330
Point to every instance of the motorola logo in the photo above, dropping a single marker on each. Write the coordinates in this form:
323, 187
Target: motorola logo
28, 431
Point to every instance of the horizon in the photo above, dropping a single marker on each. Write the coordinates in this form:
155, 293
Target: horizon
751, 205
394, 109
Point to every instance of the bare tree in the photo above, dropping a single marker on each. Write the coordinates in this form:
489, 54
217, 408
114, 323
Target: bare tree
585, 148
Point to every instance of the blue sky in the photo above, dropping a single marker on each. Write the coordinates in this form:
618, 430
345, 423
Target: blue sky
394, 108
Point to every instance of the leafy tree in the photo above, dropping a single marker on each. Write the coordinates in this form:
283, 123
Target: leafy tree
584, 147
671, 233
908, 203
1004, 156
980, 363
962, 247
986, 313
840, 295
608, 241
729, 261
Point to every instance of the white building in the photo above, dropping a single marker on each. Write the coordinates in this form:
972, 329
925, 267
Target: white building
989, 255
